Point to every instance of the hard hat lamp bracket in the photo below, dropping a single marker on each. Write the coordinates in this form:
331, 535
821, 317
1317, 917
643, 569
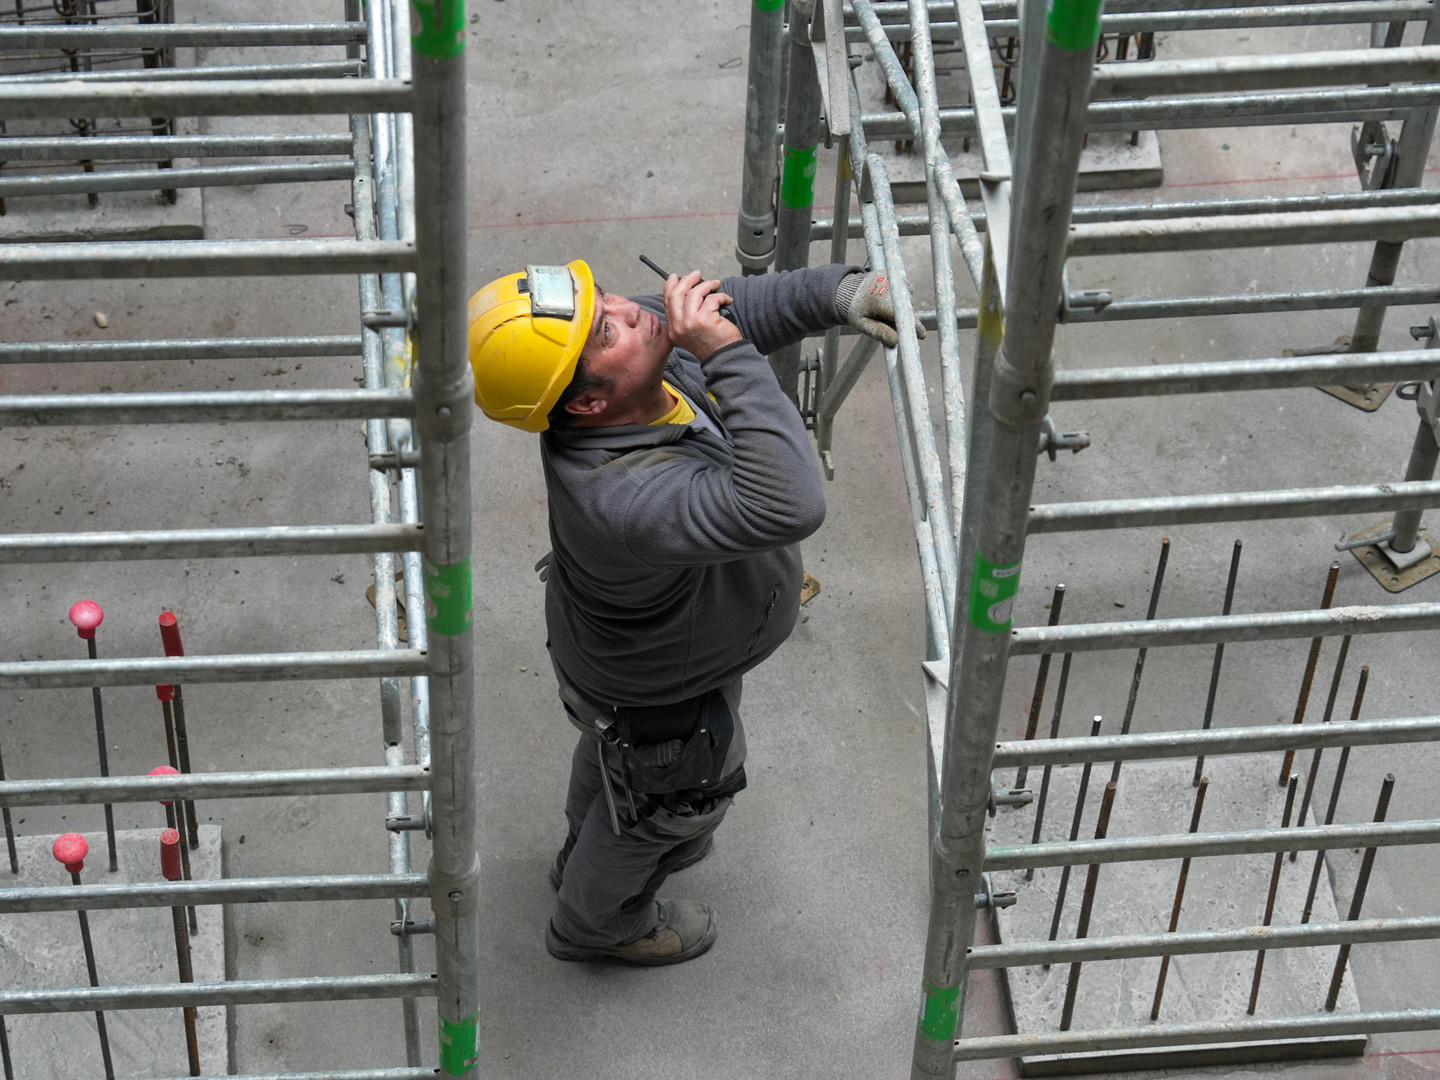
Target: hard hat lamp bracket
552, 291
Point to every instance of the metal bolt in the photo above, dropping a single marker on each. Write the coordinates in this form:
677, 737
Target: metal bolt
1027, 396
444, 410
456, 895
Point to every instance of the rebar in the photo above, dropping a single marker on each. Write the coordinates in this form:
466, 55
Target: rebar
175, 810
1314, 769
1140, 656
1201, 787
1335, 794
1037, 699
1082, 929
1303, 699
1045, 776
89, 610
171, 845
9, 827
1215, 669
1270, 898
1074, 835
1357, 900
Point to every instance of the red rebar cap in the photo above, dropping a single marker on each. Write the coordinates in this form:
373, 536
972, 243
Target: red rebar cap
170, 854
86, 615
170, 634
71, 850
170, 637
164, 770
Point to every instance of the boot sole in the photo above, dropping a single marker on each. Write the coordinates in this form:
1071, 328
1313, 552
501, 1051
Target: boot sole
564, 950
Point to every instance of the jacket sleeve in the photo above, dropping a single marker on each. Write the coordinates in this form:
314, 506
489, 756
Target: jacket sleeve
693, 509
776, 310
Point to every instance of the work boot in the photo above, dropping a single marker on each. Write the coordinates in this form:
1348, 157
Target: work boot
685, 930
681, 856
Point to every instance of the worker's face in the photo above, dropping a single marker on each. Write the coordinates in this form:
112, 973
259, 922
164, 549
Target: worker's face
626, 344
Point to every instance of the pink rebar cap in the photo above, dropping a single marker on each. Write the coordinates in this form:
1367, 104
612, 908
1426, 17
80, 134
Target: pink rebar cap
170, 854
170, 638
164, 770
87, 615
71, 850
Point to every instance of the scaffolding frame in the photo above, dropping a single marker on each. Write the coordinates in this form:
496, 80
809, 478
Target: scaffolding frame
971, 509
404, 98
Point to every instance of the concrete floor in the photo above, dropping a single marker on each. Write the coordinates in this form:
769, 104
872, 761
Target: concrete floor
605, 131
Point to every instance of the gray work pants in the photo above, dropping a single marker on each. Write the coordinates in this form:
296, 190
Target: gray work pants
607, 894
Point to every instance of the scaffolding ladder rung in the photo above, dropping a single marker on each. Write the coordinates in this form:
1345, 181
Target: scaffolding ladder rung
1234, 506
209, 543
231, 992
164, 147
201, 258
220, 97
1193, 942
202, 177
175, 35
256, 890
256, 784
1237, 74
1230, 1031
218, 668
1201, 845
417, 1073
1090, 384
1215, 629
199, 407
1214, 742
310, 69
50, 352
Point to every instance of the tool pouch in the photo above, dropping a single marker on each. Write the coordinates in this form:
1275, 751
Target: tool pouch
679, 747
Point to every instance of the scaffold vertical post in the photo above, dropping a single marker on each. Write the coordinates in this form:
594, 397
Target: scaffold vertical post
1018, 400
755, 231
444, 392
1411, 152
797, 174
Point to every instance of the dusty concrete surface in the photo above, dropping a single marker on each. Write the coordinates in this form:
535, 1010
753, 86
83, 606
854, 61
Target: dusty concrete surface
43, 950
605, 131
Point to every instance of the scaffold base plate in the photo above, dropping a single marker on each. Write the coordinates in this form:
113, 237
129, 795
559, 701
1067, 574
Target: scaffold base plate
1156, 798
1392, 579
42, 950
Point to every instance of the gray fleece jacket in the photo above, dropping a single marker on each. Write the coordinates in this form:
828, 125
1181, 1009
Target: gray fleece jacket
675, 567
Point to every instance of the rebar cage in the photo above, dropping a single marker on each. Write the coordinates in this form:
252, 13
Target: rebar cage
370, 92
971, 476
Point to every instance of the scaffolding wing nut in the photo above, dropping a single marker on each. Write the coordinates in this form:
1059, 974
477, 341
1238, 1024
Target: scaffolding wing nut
454, 896
1052, 441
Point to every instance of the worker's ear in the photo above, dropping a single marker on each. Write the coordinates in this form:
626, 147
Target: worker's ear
587, 404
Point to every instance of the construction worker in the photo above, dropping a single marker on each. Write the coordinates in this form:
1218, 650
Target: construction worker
680, 482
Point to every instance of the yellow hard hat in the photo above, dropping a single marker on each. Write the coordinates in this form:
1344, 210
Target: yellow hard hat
526, 334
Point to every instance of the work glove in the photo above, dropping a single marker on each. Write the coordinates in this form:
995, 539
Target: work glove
864, 301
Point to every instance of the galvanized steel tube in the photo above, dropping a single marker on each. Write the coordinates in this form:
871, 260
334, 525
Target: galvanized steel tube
1090, 384
148, 179
1199, 845
350, 780
93, 352
232, 992
259, 890
1237, 74
205, 97
178, 35
1395, 224
1238, 506
1210, 629
236, 667
1230, 1031
148, 147
208, 543
199, 407
755, 230
201, 258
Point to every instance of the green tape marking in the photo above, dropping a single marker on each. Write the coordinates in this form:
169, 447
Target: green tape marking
1074, 24
437, 28
992, 595
797, 182
769, 5
458, 1054
449, 598
940, 1012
